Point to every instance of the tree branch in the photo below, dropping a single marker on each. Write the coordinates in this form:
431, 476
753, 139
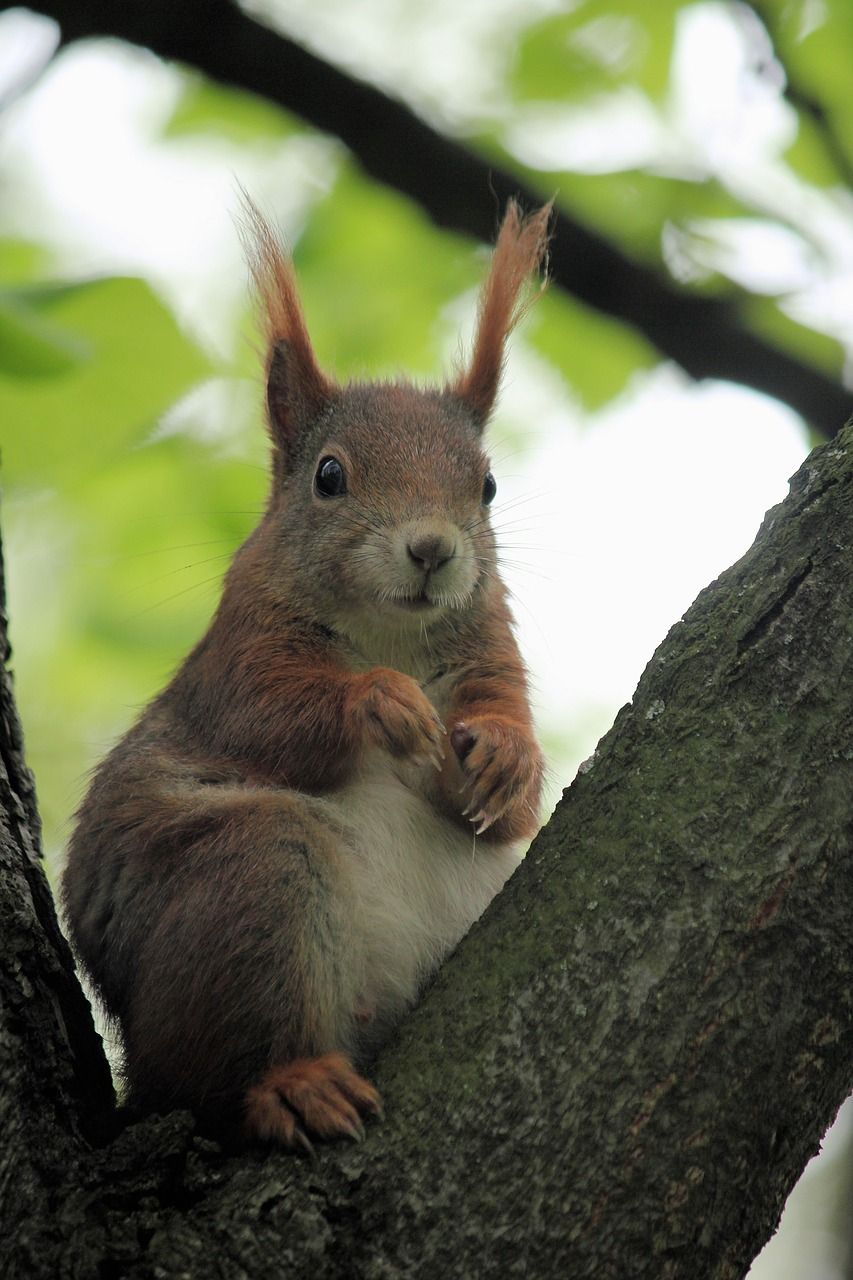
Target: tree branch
628, 1061
54, 1080
459, 189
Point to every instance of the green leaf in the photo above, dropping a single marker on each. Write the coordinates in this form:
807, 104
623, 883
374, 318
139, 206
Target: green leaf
815, 46
809, 156
657, 22
32, 347
549, 67
208, 108
21, 261
139, 362
571, 56
818, 53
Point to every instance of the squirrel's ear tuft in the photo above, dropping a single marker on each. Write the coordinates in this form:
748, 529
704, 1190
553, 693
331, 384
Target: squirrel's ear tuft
519, 250
297, 390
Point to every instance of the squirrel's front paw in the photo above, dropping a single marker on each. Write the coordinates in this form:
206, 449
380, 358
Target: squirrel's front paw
503, 768
399, 716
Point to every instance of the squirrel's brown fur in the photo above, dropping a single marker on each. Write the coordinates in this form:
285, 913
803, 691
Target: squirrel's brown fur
279, 852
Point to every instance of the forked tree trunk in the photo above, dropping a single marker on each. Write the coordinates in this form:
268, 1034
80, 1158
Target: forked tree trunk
624, 1067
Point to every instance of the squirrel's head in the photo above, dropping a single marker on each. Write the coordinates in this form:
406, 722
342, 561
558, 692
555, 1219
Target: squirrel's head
382, 490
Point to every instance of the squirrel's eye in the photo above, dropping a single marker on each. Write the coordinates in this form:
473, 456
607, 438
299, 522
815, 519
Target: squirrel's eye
490, 488
330, 481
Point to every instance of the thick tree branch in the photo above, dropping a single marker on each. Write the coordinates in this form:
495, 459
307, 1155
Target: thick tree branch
459, 189
54, 1079
627, 1063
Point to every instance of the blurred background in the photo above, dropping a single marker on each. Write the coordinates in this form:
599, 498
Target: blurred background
694, 344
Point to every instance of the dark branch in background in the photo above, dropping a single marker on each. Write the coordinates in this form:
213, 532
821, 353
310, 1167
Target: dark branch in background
458, 188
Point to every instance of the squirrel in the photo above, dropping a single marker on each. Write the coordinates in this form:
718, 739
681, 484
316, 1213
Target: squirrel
275, 858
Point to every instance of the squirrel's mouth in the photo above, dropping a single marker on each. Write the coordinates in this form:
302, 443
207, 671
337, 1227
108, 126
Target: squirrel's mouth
414, 604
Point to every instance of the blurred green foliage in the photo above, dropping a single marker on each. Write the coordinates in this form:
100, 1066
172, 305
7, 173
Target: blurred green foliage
571, 56
815, 45
119, 522
208, 108
99, 362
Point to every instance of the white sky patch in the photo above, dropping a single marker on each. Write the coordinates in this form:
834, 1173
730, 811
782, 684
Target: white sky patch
761, 255
812, 1216
619, 130
622, 520
27, 41
725, 112
447, 58
219, 412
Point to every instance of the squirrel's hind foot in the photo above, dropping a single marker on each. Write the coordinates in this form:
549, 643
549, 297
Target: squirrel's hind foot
322, 1096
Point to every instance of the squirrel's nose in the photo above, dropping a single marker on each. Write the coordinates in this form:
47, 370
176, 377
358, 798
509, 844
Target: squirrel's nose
431, 551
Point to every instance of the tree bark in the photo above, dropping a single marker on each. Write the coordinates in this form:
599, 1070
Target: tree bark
460, 189
626, 1064
54, 1079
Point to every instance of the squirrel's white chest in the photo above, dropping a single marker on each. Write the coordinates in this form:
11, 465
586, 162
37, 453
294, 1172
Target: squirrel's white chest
415, 881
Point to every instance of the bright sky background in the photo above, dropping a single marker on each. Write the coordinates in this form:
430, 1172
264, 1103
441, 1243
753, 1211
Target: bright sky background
620, 518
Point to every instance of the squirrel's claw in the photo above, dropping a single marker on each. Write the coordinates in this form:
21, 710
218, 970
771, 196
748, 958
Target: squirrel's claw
485, 820
299, 1139
435, 758
353, 1129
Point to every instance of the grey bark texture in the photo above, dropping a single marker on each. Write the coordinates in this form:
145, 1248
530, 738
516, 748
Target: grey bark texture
53, 1076
625, 1065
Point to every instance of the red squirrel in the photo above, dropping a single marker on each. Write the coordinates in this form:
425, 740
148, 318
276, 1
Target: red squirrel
333, 786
